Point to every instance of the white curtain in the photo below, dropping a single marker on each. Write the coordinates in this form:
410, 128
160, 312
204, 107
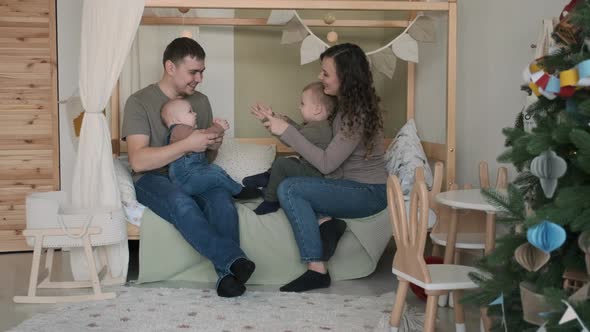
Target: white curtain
108, 29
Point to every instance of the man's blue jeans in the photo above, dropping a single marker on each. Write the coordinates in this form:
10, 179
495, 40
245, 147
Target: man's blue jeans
305, 198
208, 222
193, 174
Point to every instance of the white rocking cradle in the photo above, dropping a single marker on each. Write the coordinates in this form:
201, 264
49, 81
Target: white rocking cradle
52, 224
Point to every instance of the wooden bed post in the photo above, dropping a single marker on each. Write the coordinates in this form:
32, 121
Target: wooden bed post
411, 83
451, 94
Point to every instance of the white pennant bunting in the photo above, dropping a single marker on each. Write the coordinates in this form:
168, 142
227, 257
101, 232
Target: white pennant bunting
406, 48
422, 29
279, 17
542, 328
294, 32
311, 48
384, 62
570, 314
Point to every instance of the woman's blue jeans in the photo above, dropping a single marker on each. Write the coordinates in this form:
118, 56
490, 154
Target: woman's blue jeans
208, 222
305, 198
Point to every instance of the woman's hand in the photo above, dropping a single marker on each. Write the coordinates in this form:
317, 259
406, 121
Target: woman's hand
274, 124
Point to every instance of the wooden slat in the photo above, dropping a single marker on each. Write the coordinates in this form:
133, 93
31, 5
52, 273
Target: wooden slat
54, 98
14, 23
300, 4
25, 19
451, 96
13, 240
435, 151
24, 190
159, 20
24, 32
24, 81
24, 50
30, 172
43, 143
26, 164
22, 9
12, 207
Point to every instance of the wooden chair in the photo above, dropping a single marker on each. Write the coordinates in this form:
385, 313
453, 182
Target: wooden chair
408, 263
437, 181
470, 230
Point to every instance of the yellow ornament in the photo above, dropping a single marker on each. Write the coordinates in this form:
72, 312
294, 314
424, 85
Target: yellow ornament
332, 36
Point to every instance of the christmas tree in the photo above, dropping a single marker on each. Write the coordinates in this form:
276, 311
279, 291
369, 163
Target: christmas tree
547, 206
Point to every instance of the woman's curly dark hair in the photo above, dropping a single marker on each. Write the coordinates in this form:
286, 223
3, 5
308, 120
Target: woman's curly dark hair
357, 100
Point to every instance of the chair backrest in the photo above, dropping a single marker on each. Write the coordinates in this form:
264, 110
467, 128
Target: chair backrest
484, 178
474, 220
436, 183
409, 231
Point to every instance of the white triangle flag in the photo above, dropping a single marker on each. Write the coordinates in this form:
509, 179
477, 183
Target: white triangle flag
311, 48
384, 62
405, 47
569, 314
279, 17
422, 29
293, 32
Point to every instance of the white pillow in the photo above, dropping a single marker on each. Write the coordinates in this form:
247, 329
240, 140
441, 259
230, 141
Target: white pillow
244, 159
404, 155
124, 181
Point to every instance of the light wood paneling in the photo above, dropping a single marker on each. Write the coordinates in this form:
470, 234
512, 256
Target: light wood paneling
29, 141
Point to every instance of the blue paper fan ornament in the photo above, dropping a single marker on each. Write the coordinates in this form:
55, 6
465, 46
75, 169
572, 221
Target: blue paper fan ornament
546, 236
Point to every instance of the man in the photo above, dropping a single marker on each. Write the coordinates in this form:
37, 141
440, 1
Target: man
208, 222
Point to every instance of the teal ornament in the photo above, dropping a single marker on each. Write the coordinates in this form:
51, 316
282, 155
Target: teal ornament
548, 167
546, 236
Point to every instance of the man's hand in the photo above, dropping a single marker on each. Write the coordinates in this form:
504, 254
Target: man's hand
199, 142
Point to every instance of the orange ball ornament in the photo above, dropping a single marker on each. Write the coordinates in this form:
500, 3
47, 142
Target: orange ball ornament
332, 36
186, 33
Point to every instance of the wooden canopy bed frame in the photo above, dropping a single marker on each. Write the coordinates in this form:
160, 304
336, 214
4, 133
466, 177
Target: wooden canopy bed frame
445, 153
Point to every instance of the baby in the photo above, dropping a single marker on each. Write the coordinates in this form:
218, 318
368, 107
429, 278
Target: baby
192, 172
315, 108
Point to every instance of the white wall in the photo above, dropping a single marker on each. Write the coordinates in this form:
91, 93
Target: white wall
69, 14
494, 38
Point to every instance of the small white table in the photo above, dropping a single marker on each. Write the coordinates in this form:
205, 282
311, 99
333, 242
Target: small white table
470, 199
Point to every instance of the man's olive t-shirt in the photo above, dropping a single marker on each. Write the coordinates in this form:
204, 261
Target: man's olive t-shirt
142, 115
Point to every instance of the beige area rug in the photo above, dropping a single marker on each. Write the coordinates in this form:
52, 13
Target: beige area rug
167, 309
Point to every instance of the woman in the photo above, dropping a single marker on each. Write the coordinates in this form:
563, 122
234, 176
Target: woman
353, 163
